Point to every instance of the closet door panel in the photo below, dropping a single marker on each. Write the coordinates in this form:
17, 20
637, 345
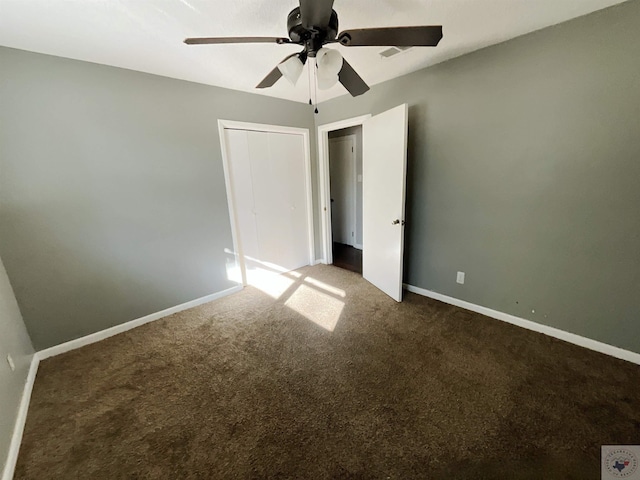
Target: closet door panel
287, 164
268, 188
242, 191
278, 179
265, 192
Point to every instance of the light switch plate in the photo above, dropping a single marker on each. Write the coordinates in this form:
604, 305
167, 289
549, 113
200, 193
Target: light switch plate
460, 277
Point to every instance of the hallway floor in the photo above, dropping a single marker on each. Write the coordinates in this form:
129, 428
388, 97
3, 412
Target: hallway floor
347, 257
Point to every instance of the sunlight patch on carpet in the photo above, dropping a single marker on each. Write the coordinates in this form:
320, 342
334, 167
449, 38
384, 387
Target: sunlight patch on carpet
325, 286
319, 307
269, 282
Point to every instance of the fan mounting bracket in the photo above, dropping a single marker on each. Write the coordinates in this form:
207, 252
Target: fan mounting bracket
319, 36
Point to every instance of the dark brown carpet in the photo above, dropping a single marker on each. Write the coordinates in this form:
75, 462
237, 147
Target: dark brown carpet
246, 388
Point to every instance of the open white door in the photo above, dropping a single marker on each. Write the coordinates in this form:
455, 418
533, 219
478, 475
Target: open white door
384, 168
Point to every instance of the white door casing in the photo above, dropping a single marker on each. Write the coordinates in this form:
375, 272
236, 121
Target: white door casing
384, 178
323, 179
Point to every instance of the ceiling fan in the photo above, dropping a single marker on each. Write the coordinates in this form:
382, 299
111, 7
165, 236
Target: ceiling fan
315, 24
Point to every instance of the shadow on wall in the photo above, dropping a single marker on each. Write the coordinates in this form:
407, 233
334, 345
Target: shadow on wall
91, 277
417, 166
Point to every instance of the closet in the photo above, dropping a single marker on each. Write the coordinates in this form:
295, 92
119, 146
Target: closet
268, 182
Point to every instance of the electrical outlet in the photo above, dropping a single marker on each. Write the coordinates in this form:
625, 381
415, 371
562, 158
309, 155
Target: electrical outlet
11, 364
460, 277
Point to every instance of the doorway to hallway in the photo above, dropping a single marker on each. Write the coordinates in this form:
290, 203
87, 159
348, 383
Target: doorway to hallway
345, 179
384, 162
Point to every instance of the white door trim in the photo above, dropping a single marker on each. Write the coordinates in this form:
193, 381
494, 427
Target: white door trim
325, 187
259, 127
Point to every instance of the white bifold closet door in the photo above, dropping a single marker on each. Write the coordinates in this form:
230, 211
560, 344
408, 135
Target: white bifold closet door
268, 183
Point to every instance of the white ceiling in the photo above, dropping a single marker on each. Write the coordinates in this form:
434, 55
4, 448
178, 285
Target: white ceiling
146, 35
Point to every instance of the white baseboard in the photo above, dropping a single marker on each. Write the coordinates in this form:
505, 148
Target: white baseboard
18, 429
110, 332
319, 261
529, 325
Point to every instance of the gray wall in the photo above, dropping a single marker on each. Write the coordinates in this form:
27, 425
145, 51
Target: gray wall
357, 131
14, 341
524, 170
112, 196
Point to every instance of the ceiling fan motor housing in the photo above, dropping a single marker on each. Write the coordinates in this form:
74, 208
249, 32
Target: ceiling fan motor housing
299, 34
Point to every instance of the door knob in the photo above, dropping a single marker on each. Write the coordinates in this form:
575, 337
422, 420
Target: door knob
395, 222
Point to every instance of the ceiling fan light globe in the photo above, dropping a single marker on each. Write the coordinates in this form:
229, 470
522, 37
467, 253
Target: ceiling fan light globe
291, 69
325, 82
329, 61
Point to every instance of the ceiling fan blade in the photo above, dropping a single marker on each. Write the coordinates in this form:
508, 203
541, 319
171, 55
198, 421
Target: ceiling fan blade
315, 13
274, 75
351, 80
426, 36
218, 40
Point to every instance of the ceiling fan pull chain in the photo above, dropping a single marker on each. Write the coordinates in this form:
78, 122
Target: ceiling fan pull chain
309, 78
315, 84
